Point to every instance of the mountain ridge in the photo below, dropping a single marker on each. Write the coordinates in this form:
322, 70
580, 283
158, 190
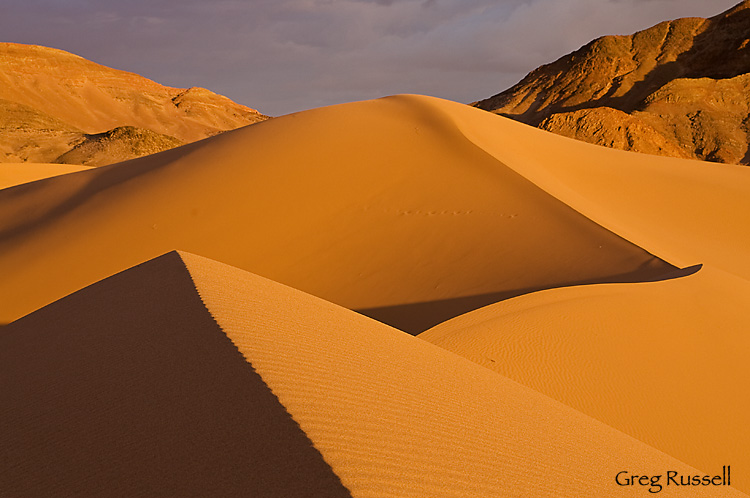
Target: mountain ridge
53, 100
681, 84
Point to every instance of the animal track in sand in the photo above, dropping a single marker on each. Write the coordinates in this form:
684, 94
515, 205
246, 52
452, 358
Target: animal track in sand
446, 212
432, 212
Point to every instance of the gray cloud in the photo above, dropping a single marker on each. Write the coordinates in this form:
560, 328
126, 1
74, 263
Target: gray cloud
285, 55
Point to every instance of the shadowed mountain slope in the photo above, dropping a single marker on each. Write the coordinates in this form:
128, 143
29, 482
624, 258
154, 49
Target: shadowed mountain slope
677, 89
117, 145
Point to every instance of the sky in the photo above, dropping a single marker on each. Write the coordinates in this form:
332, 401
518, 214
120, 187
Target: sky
281, 56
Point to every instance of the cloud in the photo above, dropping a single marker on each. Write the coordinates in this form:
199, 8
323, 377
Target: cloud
286, 55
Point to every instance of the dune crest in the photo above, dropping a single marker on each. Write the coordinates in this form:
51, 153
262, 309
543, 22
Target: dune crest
159, 402
662, 361
430, 217
686, 212
12, 174
128, 388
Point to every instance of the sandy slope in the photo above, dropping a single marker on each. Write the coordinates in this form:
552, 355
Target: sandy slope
411, 199
665, 362
158, 402
129, 388
16, 174
687, 212
397, 417
368, 205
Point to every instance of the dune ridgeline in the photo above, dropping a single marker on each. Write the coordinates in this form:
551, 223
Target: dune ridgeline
237, 316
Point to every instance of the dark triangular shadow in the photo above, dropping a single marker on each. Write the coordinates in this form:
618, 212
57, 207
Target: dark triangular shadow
129, 388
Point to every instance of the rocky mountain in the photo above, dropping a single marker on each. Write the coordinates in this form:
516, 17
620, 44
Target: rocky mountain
680, 88
58, 107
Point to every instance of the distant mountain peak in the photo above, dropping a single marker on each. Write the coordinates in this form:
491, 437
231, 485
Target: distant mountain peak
52, 101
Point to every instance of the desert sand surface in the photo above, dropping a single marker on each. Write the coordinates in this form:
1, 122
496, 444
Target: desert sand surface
685, 211
662, 361
377, 205
195, 378
617, 285
12, 174
129, 388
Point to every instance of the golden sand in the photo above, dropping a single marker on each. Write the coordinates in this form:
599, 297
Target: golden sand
321, 402
368, 205
12, 174
613, 357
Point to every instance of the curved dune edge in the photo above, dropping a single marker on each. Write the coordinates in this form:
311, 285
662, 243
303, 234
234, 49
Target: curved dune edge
12, 174
397, 417
685, 211
378, 203
665, 362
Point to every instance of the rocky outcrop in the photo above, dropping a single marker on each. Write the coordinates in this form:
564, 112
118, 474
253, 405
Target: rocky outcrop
119, 144
678, 88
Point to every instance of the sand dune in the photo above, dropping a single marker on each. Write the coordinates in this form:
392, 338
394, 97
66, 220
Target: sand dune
664, 362
129, 388
415, 210
661, 361
684, 211
662, 348
158, 402
369, 205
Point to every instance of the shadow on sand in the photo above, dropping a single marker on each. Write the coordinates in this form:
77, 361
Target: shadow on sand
417, 317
